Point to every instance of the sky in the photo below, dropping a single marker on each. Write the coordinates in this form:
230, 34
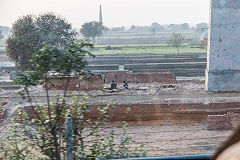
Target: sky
115, 12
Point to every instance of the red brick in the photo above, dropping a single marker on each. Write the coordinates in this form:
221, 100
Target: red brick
236, 121
221, 122
161, 77
4, 103
2, 113
92, 83
167, 114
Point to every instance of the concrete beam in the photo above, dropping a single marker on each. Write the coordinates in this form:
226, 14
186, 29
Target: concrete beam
223, 57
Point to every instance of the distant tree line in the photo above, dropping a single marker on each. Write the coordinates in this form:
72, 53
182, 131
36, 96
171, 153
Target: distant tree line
4, 30
156, 27
29, 33
92, 30
1, 36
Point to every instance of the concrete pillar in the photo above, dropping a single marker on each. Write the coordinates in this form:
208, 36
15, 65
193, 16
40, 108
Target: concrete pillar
13, 75
223, 56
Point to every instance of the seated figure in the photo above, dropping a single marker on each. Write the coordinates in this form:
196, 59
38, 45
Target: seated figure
125, 85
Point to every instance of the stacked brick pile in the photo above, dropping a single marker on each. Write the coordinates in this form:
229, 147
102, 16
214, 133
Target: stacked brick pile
2, 110
4, 103
30, 112
221, 122
75, 84
236, 121
161, 77
2, 113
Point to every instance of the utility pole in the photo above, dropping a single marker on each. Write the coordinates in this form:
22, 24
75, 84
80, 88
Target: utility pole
69, 138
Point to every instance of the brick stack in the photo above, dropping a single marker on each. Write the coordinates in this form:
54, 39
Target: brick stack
161, 77
236, 121
75, 84
220, 122
30, 112
2, 113
4, 103
2, 109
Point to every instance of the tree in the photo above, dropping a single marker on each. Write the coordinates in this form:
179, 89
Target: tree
1, 36
153, 29
45, 132
200, 27
203, 42
4, 31
55, 30
30, 32
92, 30
157, 26
118, 29
65, 62
176, 40
173, 27
133, 28
184, 27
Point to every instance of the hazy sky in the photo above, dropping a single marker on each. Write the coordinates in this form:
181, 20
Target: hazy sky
115, 12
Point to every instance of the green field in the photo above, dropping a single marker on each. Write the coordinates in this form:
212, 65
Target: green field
147, 48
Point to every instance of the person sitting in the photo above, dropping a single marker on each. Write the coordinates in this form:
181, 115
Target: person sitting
113, 86
125, 85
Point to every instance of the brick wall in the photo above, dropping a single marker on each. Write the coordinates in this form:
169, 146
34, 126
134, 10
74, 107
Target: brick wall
97, 82
221, 122
2, 109
142, 114
92, 83
236, 121
169, 114
2, 113
161, 77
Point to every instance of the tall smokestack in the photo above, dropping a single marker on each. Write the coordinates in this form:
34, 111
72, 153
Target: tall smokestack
100, 15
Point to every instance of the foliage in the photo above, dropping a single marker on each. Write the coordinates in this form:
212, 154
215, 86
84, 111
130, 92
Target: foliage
108, 48
112, 48
38, 142
201, 26
1, 36
176, 40
64, 62
17, 146
30, 32
117, 29
132, 28
153, 30
203, 43
92, 30
46, 131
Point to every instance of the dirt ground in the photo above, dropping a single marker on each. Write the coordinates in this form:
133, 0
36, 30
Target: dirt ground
158, 140
174, 140
155, 93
